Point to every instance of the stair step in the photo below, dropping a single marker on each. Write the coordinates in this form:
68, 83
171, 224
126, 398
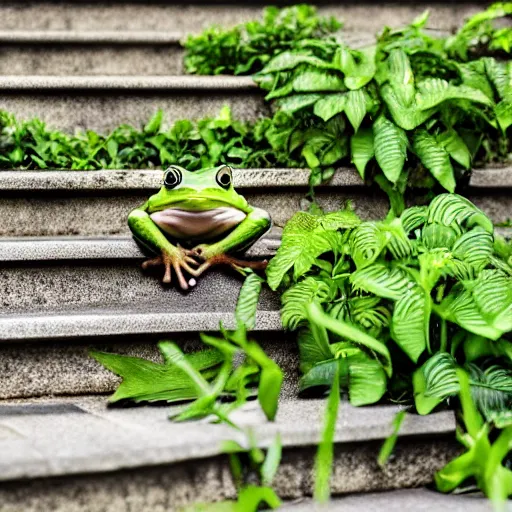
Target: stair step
61, 450
195, 16
110, 52
64, 296
76, 288
419, 500
96, 203
102, 103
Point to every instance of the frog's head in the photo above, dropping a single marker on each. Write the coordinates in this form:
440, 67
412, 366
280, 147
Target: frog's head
201, 190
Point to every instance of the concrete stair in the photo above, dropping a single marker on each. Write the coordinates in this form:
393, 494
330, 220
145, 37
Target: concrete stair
71, 278
73, 454
96, 203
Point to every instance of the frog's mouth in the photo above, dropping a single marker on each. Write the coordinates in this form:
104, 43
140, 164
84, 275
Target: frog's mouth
204, 225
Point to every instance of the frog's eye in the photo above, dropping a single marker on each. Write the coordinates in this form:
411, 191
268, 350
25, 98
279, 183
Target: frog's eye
224, 177
172, 177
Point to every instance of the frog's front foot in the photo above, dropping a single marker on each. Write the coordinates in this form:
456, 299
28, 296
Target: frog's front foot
224, 259
179, 260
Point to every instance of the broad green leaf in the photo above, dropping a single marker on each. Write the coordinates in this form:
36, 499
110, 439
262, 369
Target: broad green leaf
361, 69
437, 236
292, 104
305, 238
435, 158
398, 242
390, 143
491, 390
366, 243
483, 306
247, 303
251, 497
361, 148
473, 75
475, 247
296, 299
434, 382
271, 380
389, 283
290, 60
330, 105
503, 111
413, 218
401, 76
500, 75
313, 349
455, 147
349, 332
355, 108
367, 379
449, 209
492, 293
434, 91
146, 381
411, 322
407, 117
317, 81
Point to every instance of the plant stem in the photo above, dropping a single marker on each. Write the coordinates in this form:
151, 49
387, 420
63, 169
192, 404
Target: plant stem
444, 335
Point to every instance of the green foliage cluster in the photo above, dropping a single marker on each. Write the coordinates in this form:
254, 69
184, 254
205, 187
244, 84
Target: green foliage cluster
203, 377
397, 306
194, 145
410, 108
246, 48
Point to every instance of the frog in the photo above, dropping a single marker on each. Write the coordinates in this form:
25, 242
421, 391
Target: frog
195, 221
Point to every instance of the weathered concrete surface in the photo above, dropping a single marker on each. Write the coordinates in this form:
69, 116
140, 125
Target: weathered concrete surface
127, 437
22, 15
168, 488
103, 111
76, 53
96, 203
93, 84
103, 214
73, 59
30, 249
419, 500
151, 179
51, 369
93, 461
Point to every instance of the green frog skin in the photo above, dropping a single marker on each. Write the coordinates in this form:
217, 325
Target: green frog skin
201, 210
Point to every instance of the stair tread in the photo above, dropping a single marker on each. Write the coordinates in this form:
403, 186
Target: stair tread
80, 435
150, 179
88, 322
90, 248
419, 500
130, 83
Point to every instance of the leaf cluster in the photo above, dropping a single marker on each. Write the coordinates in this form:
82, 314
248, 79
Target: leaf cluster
204, 377
397, 306
194, 145
407, 107
246, 48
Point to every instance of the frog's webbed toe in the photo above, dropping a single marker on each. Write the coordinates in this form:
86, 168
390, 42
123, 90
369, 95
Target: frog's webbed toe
237, 264
177, 262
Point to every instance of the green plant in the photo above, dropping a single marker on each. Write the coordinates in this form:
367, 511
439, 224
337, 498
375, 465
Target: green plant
246, 48
404, 108
480, 35
206, 143
483, 458
202, 377
396, 306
